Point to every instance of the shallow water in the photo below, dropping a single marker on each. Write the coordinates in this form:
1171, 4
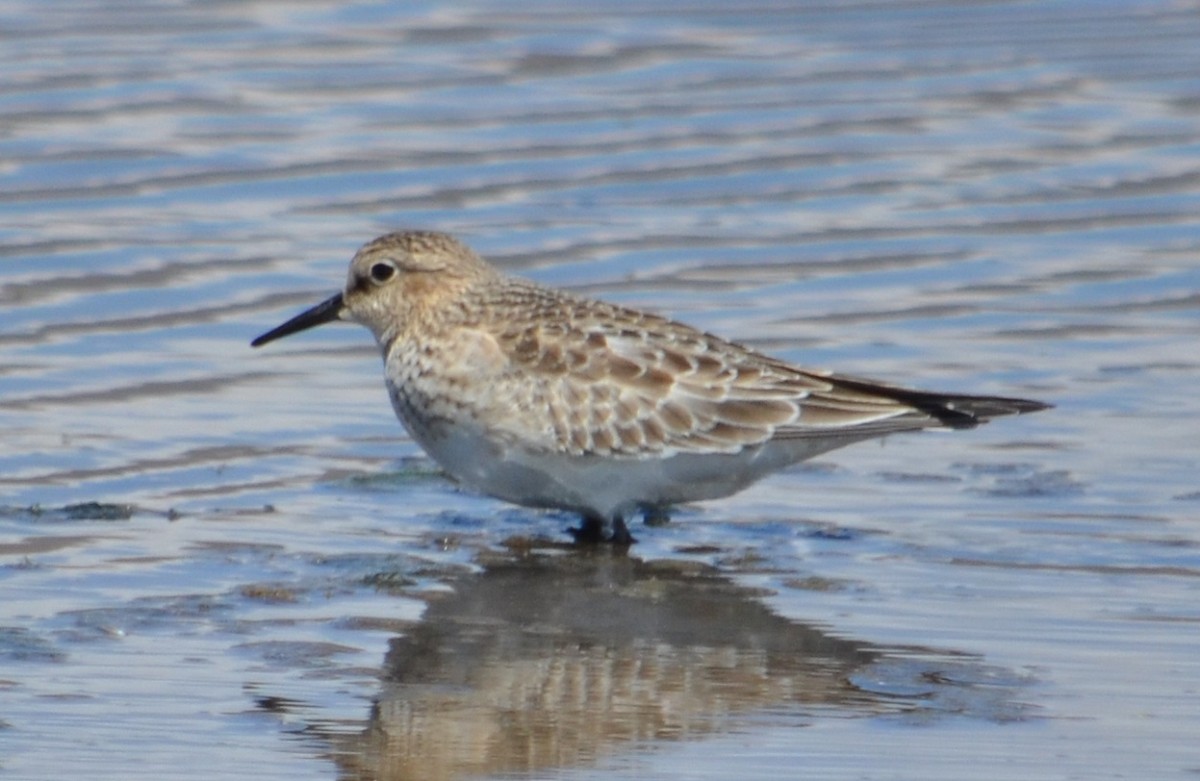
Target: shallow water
218, 561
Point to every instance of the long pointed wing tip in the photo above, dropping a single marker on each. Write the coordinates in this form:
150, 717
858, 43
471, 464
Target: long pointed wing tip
1007, 406
1026, 406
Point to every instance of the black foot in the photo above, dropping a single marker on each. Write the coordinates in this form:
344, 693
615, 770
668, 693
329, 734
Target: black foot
589, 532
620, 533
594, 530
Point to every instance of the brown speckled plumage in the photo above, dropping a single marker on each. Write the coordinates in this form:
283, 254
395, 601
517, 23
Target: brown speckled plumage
545, 398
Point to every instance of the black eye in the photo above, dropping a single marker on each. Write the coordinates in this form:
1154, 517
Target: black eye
382, 272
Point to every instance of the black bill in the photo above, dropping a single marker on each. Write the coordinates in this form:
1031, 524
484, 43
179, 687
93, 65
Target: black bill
325, 312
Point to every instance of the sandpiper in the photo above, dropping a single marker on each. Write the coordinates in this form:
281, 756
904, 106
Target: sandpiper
547, 399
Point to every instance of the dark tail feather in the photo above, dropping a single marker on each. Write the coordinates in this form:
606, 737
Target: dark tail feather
950, 409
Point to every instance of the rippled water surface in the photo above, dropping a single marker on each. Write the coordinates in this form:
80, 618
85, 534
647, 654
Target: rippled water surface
218, 562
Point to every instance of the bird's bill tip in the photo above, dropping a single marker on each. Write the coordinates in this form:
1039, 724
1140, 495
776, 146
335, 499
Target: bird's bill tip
325, 312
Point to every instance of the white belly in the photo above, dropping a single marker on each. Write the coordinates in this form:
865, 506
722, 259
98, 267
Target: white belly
601, 486
504, 461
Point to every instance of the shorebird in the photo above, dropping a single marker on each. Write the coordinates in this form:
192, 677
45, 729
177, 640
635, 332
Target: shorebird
547, 399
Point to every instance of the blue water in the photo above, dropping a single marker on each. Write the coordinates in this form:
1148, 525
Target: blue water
203, 544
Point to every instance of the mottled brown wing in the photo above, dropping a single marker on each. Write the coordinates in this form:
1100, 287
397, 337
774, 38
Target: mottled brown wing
617, 381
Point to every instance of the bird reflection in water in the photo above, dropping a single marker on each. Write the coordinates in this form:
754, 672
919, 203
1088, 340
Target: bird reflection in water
545, 662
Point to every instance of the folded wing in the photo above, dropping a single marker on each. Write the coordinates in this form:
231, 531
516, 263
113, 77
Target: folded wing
613, 381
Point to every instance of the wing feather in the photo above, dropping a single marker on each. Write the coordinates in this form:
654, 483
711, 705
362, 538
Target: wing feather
614, 381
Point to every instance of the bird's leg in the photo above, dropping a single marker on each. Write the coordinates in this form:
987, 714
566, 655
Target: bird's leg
620, 533
595, 529
590, 531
